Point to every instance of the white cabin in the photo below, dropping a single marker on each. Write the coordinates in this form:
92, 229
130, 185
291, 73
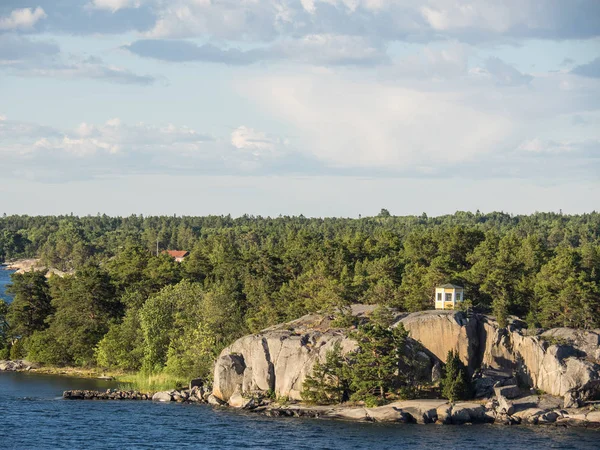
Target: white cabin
448, 296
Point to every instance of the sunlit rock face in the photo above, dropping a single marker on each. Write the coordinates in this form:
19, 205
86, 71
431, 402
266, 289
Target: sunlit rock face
278, 359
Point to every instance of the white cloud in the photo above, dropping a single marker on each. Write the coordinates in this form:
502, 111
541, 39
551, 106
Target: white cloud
89, 139
113, 122
115, 5
2, 117
308, 5
469, 20
22, 19
493, 16
369, 125
258, 143
538, 145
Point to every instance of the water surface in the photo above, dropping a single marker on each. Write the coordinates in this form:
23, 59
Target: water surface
33, 415
4, 280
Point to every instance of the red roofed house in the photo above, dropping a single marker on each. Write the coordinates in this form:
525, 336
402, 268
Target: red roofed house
177, 255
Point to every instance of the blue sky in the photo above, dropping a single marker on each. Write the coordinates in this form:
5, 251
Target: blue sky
314, 107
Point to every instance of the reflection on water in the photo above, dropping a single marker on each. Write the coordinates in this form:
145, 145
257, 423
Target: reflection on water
34, 416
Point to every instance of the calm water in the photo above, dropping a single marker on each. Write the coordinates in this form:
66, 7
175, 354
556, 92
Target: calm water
32, 415
4, 280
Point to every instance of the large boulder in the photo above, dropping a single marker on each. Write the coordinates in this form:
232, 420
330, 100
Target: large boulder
422, 411
442, 331
163, 396
229, 375
237, 400
510, 391
469, 413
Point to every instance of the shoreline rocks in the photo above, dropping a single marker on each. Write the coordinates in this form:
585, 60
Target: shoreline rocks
525, 411
105, 395
25, 265
18, 365
438, 412
194, 395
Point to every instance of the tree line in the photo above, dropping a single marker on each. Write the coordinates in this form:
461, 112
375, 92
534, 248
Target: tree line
123, 306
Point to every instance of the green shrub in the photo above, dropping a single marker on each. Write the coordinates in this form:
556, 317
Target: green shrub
17, 350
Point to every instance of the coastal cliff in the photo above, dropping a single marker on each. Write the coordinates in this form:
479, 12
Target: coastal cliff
560, 362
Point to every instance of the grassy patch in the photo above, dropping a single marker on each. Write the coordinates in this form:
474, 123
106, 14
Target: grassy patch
151, 382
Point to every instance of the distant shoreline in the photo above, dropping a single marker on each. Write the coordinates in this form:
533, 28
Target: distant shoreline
27, 264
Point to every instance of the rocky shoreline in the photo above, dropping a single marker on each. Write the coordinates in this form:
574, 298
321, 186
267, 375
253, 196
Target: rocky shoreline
25, 265
531, 410
18, 365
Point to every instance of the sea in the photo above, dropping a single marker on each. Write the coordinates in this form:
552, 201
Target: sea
4, 280
33, 415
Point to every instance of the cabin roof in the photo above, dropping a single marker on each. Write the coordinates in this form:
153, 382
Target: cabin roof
450, 286
177, 253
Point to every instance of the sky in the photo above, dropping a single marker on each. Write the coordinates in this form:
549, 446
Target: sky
314, 107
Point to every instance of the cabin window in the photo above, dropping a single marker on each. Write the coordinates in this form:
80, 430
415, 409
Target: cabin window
439, 297
448, 297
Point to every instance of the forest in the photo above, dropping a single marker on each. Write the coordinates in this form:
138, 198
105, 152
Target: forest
125, 305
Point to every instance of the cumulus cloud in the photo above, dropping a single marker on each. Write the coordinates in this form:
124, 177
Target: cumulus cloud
267, 20
349, 124
92, 150
22, 19
391, 19
115, 5
257, 142
84, 18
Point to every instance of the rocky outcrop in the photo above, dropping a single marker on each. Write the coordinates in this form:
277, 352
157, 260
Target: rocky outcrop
560, 362
554, 368
17, 365
442, 331
276, 360
586, 342
25, 265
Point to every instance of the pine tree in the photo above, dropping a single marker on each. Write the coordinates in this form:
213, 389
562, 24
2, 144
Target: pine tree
329, 382
375, 369
32, 303
454, 384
